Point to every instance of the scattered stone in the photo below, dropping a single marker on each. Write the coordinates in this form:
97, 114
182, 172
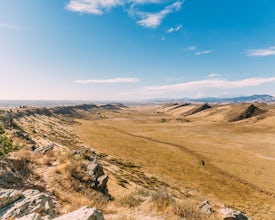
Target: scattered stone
231, 214
205, 207
83, 213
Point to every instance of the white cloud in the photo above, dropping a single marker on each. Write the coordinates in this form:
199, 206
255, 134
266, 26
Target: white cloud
153, 20
163, 38
146, 19
203, 52
207, 84
262, 52
93, 6
108, 81
174, 29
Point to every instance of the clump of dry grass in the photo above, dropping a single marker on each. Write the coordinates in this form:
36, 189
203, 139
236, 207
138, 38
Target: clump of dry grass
164, 202
131, 200
187, 209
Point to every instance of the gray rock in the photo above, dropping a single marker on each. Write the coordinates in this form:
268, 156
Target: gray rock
102, 183
83, 213
205, 207
231, 214
9, 196
32, 201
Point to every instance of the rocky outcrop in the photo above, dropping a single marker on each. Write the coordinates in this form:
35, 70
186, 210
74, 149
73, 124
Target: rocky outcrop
231, 214
25, 203
83, 213
248, 112
92, 173
35, 205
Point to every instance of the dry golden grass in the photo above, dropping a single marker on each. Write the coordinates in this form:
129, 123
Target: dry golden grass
239, 157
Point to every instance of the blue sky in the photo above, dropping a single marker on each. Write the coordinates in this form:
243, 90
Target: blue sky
136, 49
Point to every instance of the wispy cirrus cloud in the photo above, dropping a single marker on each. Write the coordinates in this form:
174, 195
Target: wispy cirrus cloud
174, 29
208, 84
145, 19
108, 81
13, 27
191, 48
153, 20
203, 52
214, 75
262, 52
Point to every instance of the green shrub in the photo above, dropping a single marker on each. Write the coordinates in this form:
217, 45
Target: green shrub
6, 145
2, 130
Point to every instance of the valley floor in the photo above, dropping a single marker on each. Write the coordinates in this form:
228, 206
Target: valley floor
232, 162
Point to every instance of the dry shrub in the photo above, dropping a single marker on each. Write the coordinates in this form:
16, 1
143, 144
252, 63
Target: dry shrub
187, 209
162, 200
131, 200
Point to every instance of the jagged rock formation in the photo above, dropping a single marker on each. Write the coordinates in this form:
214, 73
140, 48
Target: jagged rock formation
92, 172
179, 106
72, 110
249, 112
35, 205
24, 203
198, 109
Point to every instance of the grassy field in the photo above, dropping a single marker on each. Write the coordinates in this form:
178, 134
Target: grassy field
239, 156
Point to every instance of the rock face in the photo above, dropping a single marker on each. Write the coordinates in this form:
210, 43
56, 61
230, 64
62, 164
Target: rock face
83, 213
25, 203
231, 214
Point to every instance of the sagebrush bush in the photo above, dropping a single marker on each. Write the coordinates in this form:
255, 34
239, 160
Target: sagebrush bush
6, 145
2, 130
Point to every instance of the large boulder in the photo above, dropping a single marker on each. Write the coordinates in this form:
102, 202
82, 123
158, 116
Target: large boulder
83, 213
31, 201
231, 214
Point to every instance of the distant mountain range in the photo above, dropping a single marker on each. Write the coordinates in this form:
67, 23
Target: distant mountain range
252, 98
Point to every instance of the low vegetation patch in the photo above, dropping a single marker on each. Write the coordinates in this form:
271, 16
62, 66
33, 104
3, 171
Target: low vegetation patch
6, 145
131, 200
